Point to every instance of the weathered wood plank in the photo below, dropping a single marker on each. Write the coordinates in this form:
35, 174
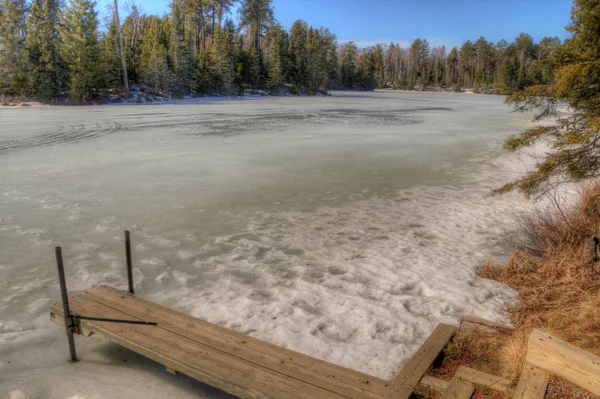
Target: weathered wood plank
473, 376
459, 388
480, 378
417, 366
317, 372
564, 360
470, 324
215, 368
532, 383
434, 383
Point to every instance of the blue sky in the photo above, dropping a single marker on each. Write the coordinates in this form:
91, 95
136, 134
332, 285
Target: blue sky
447, 22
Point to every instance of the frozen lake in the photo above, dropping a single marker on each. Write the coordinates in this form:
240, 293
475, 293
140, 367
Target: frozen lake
344, 227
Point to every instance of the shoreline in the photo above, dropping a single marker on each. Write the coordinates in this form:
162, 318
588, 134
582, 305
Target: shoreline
216, 98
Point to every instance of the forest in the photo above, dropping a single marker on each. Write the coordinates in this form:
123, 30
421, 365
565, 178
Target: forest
59, 51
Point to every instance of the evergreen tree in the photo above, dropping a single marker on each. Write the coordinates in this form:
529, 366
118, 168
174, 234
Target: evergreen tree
366, 70
467, 59
112, 58
155, 72
48, 70
299, 73
13, 58
277, 70
575, 153
121, 46
222, 59
80, 49
379, 72
331, 59
189, 49
257, 15
179, 56
133, 33
453, 70
348, 67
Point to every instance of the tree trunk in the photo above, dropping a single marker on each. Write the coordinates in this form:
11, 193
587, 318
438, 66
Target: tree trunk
122, 48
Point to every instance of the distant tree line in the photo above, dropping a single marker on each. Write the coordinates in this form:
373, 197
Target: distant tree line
53, 50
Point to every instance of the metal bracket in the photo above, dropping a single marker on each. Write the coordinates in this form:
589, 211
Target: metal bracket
76, 324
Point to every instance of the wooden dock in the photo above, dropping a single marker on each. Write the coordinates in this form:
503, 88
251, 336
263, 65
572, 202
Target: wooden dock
233, 362
249, 368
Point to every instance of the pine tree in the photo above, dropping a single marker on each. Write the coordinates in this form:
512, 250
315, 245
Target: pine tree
179, 56
13, 58
331, 59
154, 67
453, 70
222, 59
111, 56
299, 74
48, 78
133, 33
379, 71
349, 70
121, 46
277, 70
574, 153
366, 70
257, 15
80, 50
467, 64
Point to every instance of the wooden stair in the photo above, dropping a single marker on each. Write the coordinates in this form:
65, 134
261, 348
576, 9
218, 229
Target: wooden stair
546, 355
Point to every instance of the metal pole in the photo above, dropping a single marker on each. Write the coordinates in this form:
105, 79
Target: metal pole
65, 303
129, 266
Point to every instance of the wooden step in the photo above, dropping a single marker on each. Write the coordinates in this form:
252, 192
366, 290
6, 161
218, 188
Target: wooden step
417, 366
532, 383
468, 374
459, 388
558, 357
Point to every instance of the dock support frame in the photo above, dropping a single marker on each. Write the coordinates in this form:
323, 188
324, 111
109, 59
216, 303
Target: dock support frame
65, 303
129, 263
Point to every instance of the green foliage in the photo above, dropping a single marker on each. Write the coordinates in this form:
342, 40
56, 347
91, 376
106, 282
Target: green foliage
49, 73
298, 73
223, 61
13, 57
109, 45
575, 152
154, 65
179, 58
79, 49
197, 49
279, 56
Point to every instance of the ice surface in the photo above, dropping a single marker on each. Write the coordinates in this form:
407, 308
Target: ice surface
344, 227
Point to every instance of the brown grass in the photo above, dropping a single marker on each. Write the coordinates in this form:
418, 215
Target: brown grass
557, 276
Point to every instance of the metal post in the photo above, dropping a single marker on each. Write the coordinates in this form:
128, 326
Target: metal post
129, 266
65, 302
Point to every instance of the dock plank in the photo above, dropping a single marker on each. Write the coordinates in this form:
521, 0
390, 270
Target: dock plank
417, 366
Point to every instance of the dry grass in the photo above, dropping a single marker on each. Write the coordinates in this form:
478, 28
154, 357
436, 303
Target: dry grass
557, 276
